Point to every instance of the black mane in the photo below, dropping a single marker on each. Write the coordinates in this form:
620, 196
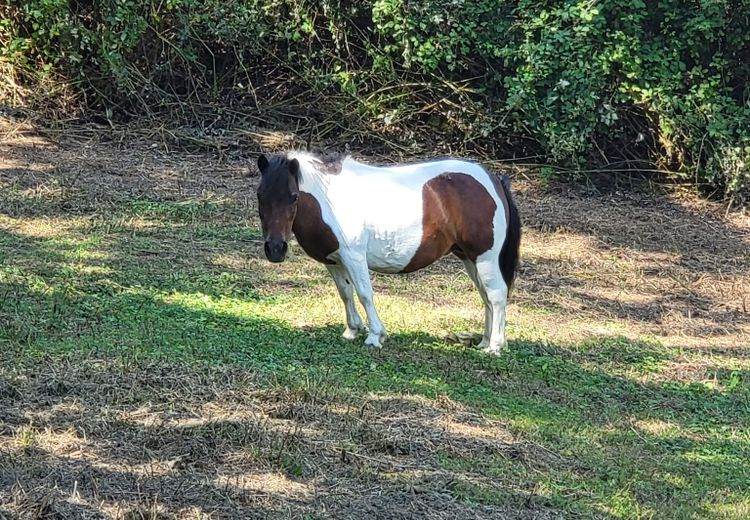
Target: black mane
277, 161
275, 178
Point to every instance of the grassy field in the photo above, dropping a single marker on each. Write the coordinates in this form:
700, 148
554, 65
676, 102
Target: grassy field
154, 366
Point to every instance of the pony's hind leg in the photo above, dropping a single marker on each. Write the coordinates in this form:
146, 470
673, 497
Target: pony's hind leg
360, 276
471, 270
491, 278
354, 323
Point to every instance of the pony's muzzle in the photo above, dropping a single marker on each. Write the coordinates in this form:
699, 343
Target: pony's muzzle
276, 250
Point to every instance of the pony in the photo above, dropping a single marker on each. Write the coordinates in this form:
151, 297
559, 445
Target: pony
354, 217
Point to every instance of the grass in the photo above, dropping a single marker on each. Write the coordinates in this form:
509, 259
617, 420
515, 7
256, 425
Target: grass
153, 364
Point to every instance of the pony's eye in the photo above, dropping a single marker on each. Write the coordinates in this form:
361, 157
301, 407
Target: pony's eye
294, 197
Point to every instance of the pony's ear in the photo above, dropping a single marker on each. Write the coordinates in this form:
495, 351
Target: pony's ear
262, 163
294, 168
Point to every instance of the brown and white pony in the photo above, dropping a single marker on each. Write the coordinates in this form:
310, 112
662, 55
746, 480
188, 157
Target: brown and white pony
353, 217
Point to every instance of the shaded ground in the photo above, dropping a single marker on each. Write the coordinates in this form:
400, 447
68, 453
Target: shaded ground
154, 366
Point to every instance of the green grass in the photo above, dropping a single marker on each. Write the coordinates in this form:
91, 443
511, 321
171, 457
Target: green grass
184, 283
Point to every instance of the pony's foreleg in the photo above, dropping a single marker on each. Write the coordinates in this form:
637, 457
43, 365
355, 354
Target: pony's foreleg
358, 273
491, 278
471, 270
354, 323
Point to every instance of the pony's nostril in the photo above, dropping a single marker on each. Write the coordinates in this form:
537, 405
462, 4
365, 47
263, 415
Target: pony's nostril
275, 250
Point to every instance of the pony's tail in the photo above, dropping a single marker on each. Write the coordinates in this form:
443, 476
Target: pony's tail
510, 251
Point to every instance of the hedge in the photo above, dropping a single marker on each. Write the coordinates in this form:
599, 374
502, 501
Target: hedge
585, 84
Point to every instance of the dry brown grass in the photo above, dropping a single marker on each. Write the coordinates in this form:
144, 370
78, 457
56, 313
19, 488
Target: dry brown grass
183, 441
664, 264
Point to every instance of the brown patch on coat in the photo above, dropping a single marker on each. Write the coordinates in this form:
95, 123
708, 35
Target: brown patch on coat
313, 234
457, 218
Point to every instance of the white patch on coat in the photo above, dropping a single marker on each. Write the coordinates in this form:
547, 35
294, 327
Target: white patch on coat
377, 211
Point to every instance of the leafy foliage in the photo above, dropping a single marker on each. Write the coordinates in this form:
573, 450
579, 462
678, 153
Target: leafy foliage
590, 82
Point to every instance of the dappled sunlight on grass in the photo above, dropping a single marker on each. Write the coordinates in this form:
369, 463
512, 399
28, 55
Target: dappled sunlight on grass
265, 482
37, 228
728, 506
91, 270
214, 304
658, 428
180, 211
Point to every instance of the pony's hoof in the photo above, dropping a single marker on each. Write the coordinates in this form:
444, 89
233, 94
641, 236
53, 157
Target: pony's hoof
484, 344
351, 334
373, 341
496, 350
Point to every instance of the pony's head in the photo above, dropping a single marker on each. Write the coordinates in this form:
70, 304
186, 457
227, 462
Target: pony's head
277, 203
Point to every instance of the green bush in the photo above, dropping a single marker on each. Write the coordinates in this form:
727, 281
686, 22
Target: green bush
607, 82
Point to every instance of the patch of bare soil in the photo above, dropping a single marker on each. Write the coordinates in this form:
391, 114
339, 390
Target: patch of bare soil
83, 170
